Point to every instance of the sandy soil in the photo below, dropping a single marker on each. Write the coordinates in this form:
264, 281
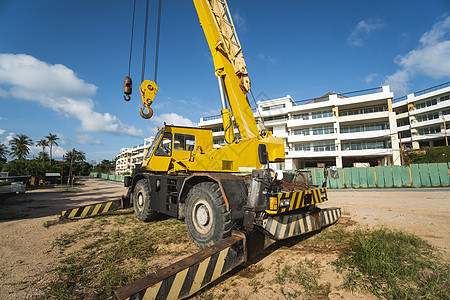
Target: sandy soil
27, 249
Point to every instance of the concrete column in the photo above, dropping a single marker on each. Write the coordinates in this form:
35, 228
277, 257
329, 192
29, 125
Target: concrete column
395, 145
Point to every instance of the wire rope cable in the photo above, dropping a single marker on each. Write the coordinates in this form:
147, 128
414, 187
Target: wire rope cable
144, 49
158, 30
132, 35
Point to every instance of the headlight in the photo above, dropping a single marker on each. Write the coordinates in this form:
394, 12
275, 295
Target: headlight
273, 203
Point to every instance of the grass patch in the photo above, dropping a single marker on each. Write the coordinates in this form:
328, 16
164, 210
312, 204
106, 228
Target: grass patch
115, 251
393, 265
305, 274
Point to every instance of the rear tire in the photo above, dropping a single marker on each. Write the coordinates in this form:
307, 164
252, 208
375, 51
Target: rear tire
141, 201
206, 215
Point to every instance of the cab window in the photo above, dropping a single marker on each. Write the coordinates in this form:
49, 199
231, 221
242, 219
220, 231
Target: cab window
165, 146
184, 142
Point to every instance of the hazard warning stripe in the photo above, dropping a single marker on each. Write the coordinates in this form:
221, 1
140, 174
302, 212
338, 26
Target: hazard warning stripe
285, 226
186, 277
300, 199
91, 210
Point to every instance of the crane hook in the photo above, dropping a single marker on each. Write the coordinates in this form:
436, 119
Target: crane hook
147, 115
127, 88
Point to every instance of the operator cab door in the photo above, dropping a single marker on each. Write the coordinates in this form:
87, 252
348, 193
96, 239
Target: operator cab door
160, 160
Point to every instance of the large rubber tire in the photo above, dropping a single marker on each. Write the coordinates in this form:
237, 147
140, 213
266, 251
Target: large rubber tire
206, 215
141, 201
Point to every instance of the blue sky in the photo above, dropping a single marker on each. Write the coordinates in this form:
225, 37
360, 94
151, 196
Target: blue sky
62, 63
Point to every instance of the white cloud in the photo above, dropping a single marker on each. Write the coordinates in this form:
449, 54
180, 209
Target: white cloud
3, 119
85, 139
267, 58
239, 20
2, 131
363, 30
430, 58
57, 87
371, 77
173, 119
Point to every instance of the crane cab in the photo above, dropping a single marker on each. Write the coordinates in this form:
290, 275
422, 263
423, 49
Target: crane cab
174, 144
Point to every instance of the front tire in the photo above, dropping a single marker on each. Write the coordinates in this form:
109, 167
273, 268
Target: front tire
206, 215
141, 201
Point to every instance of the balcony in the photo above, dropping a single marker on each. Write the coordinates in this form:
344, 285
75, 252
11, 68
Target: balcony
311, 153
367, 152
365, 135
307, 138
363, 117
309, 122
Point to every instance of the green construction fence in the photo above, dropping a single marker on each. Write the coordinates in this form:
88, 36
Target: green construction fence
415, 175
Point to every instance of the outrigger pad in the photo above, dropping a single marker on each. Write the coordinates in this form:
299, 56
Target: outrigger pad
187, 276
285, 226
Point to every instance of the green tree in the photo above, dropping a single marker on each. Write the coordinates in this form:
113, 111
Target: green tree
43, 144
52, 138
20, 146
3, 152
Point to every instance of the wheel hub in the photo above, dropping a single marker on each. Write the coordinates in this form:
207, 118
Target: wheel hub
140, 200
202, 215
203, 218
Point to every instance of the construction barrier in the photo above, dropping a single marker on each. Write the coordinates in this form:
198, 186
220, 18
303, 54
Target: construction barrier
414, 175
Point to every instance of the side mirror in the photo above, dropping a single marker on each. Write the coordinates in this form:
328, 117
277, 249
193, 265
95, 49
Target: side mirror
334, 172
263, 155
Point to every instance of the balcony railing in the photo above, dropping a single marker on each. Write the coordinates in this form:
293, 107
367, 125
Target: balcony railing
432, 89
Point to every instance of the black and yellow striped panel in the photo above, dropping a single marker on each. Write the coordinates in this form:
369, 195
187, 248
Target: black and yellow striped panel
300, 199
186, 277
330, 215
285, 226
91, 210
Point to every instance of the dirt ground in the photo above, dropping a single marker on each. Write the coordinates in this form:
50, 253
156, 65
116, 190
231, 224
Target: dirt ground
27, 246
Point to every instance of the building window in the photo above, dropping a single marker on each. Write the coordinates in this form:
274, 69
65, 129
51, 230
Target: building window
368, 110
444, 98
275, 118
363, 128
424, 104
302, 147
366, 145
324, 146
217, 129
267, 108
446, 112
427, 117
429, 130
304, 131
322, 114
402, 123
301, 117
323, 130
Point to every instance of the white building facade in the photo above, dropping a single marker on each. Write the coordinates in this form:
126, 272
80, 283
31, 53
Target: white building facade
423, 118
129, 157
357, 128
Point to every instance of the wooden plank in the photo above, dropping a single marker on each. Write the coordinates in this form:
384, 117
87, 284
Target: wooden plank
397, 176
355, 178
362, 177
424, 175
434, 174
415, 174
406, 178
348, 177
388, 178
444, 174
371, 177
380, 176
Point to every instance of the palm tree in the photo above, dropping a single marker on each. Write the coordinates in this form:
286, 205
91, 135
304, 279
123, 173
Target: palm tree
20, 146
3, 152
52, 138
43, 144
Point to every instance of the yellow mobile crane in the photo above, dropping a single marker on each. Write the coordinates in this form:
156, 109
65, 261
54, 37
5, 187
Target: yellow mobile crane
183, 176
230, 214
